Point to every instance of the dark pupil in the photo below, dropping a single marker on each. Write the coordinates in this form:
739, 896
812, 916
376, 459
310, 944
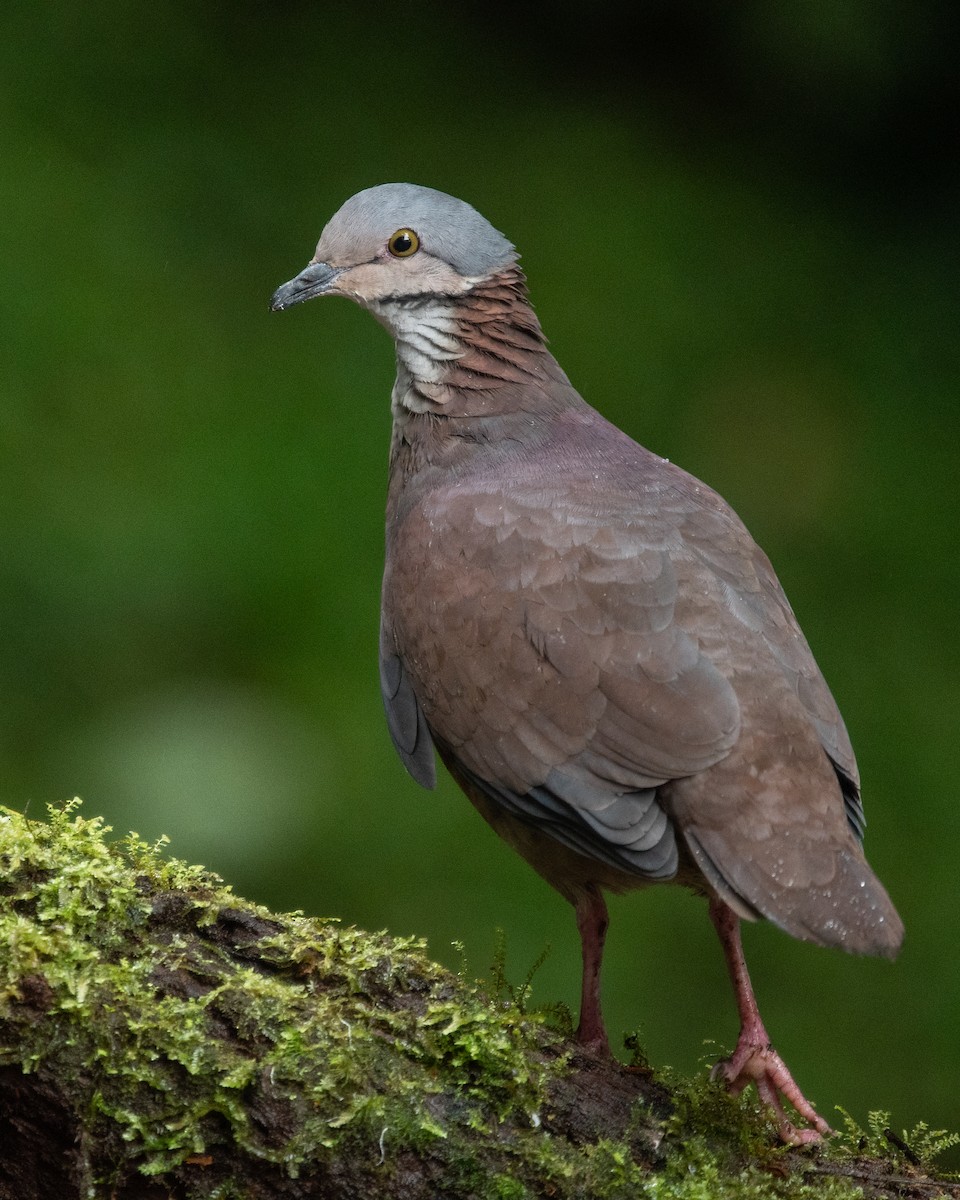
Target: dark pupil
402, 243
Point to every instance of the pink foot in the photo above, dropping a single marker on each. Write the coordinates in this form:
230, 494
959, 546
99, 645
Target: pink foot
755, 1060
761, 1065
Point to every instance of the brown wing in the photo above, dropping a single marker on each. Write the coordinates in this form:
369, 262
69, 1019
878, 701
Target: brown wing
753, 596
544, 642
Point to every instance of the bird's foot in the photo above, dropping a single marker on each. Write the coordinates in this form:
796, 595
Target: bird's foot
760, 1064
755, 1060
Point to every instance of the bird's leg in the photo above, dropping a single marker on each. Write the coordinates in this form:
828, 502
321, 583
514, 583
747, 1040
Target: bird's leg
755, 1060
592, 922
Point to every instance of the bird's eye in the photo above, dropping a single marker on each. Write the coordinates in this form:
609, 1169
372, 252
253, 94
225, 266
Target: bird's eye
403, 243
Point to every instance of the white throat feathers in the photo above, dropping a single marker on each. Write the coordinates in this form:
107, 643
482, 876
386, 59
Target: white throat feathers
426, 332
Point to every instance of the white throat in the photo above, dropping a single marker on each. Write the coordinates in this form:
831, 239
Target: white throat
426, 333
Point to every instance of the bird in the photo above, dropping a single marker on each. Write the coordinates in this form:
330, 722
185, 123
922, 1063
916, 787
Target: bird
588, 636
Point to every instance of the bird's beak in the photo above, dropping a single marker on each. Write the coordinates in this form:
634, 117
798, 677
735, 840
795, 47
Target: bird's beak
314, 280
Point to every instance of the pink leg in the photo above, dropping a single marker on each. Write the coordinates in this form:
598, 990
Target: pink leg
755, 1060
592, 922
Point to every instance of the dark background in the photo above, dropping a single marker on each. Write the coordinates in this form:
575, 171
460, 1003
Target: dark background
739, 224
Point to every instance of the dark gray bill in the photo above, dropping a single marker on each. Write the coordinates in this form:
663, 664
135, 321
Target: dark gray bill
313, 280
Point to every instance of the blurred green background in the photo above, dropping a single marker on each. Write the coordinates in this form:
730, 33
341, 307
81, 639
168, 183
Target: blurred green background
740, 227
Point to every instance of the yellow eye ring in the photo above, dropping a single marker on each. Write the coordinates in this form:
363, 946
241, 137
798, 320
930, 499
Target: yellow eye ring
403, 243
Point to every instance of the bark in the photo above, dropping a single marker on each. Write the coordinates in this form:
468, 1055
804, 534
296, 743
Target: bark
161, 1038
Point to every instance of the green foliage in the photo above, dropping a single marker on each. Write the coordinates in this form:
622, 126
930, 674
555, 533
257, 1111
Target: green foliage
362, 1036
720, 1148
505, 992
76, 918
506, 1187
917, 1147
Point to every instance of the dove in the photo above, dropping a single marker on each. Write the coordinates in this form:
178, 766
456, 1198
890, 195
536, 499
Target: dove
587, 636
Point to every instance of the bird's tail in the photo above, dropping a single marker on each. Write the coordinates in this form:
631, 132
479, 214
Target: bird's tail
852, 911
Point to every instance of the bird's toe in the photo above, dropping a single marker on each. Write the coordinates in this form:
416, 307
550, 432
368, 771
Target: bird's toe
762, 1066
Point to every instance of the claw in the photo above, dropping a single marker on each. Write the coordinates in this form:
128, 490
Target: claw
762, 1066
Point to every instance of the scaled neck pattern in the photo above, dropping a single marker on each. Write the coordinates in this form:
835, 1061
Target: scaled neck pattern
456, 353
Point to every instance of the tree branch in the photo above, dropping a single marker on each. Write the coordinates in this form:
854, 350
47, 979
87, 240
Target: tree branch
160, 1037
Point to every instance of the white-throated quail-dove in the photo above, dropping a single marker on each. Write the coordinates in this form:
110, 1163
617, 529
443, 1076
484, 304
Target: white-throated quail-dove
588, 636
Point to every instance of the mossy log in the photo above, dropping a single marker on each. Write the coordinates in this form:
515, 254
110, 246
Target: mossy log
161, 1038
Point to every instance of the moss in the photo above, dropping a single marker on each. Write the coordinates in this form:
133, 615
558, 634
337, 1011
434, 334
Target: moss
918, 1147
720, 1148
320, 1031
193, 1033
505, 1187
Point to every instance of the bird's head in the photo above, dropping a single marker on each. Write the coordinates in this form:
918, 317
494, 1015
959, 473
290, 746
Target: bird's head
397, 242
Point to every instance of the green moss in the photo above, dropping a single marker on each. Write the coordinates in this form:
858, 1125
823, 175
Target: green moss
916, 1147
505, 1187
721, 1148
181, 1022
140, 1033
